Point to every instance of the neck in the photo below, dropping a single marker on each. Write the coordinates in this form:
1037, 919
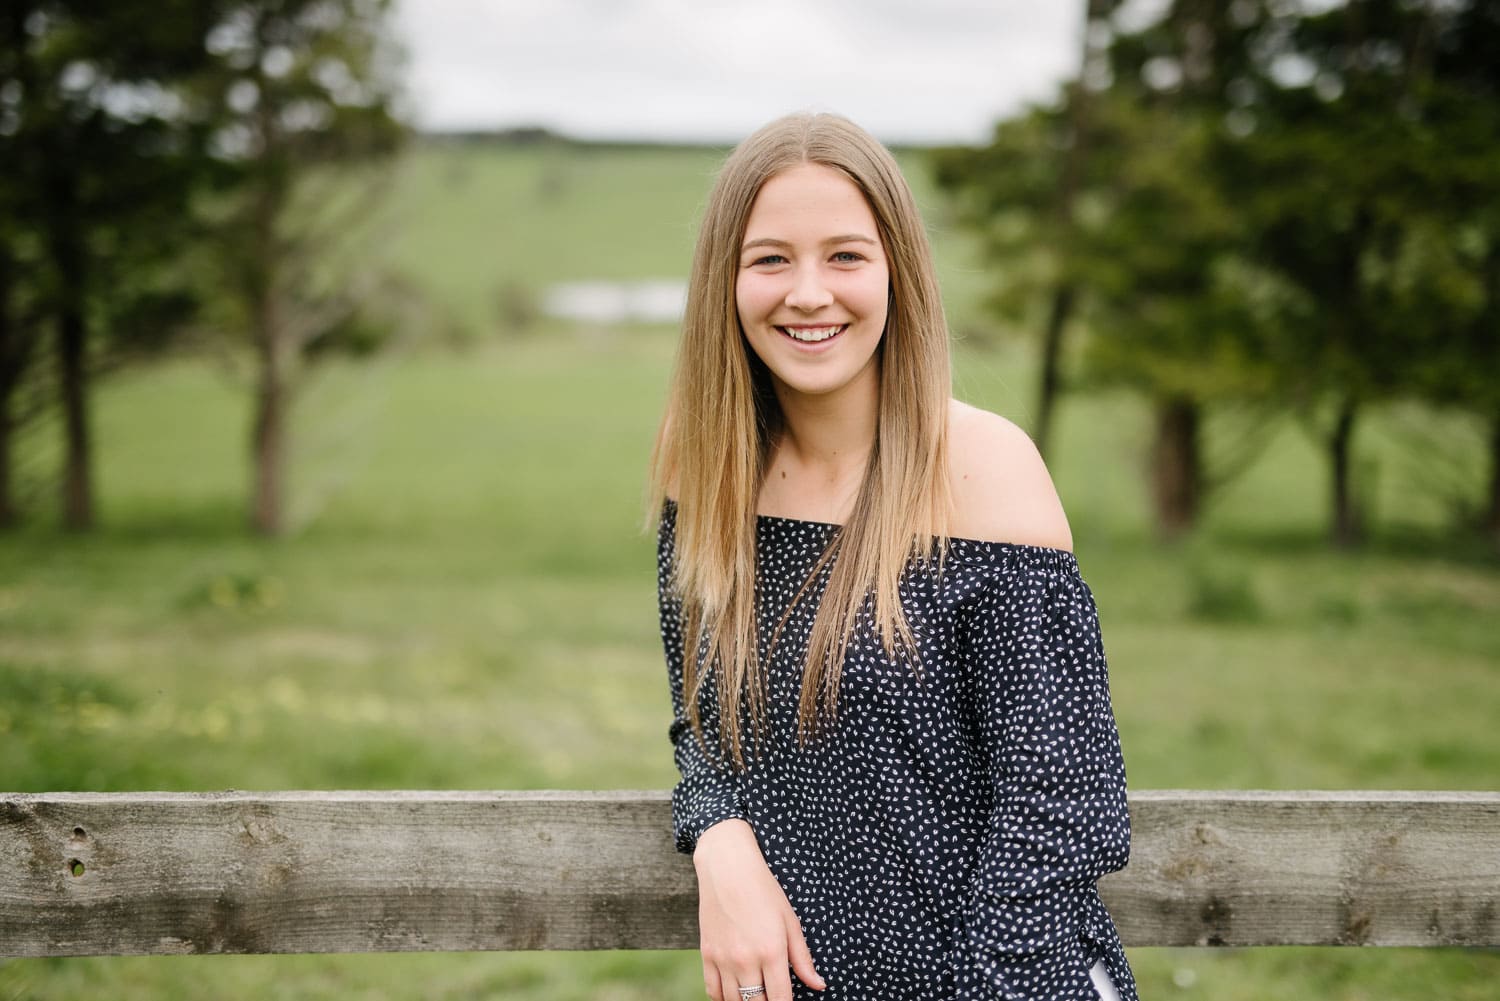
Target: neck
824, 448
829, 437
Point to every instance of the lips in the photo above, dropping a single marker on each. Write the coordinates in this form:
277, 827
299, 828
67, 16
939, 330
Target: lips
809, 334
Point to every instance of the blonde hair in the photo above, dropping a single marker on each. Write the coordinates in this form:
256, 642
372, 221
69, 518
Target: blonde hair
722, 419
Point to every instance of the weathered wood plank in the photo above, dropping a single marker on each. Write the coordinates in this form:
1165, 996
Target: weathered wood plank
1310, 868
339, 872
141, 873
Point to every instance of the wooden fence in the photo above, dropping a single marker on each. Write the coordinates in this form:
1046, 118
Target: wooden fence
139, 873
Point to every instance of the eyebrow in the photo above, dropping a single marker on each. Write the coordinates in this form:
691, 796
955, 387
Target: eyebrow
768, 241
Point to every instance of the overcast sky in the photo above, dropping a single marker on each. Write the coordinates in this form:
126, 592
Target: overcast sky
912, 70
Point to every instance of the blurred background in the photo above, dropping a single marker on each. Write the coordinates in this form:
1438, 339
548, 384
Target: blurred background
333, 336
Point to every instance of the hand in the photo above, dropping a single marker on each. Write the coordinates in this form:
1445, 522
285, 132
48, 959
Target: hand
748, 933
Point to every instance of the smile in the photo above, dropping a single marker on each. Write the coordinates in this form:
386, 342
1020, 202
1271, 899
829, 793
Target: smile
812, 335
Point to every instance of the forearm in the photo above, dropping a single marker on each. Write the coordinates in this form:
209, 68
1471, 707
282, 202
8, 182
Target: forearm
727, 837
1033, 922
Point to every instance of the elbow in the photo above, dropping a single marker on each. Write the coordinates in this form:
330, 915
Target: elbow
1102, 833
1112, 840
1115, 851
1112, 830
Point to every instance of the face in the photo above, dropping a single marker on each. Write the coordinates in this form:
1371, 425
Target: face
813, 283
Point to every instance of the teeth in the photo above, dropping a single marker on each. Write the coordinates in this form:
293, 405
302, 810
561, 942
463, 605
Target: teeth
812, 335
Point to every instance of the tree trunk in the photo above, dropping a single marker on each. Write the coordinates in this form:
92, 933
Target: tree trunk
1057, 321
268, 442
66, 244
78, 487
11, 364
269, 452
1065, 294
10, 513
1176, 466
1347, 527
268, 436
1492, 514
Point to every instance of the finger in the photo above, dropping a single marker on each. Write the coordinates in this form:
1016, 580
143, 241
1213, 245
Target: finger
713, 985
731, 989
746, 977
801, 957
779, 984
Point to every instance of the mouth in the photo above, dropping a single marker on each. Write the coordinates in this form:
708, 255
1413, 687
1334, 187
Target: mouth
814, 335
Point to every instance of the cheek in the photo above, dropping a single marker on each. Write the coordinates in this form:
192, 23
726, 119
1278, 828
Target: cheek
873, 297
753, 298
741, 299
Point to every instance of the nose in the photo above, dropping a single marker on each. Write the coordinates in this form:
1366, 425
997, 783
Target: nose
808, 292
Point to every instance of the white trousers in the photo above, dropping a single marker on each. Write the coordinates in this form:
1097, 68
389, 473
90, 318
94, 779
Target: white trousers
1102, 983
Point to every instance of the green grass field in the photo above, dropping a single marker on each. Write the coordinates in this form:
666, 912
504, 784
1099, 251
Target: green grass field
469, 599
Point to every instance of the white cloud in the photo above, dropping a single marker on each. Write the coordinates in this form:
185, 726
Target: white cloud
942, 70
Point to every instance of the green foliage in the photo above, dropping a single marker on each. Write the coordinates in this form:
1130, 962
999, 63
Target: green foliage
249, 593
98, 171
301, 81
99, 165
1007, 193
296, 89
1167, 309
299, 86
115, 119
1286, 204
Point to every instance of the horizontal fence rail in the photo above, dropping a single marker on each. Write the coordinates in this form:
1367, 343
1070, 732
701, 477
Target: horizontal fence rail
284, 872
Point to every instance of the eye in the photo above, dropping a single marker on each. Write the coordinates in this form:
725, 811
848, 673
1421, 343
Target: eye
847, 257
768, 259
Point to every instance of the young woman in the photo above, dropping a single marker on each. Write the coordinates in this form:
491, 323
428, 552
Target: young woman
901, 777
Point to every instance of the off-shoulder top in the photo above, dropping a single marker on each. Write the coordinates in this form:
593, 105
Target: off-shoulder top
943, 838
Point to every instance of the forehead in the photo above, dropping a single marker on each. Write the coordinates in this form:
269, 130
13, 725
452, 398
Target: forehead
808, 199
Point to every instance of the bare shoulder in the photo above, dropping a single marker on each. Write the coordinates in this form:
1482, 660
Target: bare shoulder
1001, 489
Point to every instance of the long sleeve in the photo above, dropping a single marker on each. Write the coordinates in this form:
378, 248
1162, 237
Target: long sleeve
1037, 682
706, 792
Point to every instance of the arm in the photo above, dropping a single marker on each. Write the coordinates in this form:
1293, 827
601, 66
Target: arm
1039, 687
705, 795
748, 932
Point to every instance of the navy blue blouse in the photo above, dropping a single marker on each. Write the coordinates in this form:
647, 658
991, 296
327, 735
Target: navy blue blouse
942, 840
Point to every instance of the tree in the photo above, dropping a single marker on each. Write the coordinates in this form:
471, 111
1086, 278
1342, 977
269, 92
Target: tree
19, 322
1356, 177
1170, 315
98, 154
1134, 250
1284, 205
1055, 147
1168, 310
1463, 107
303, 85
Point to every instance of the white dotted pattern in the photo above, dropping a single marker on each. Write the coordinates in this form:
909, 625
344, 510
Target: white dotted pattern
943, 839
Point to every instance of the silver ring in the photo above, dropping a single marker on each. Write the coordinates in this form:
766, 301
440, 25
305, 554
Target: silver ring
746, 993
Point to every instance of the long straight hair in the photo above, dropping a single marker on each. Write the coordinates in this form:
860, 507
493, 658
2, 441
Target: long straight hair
722, 420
